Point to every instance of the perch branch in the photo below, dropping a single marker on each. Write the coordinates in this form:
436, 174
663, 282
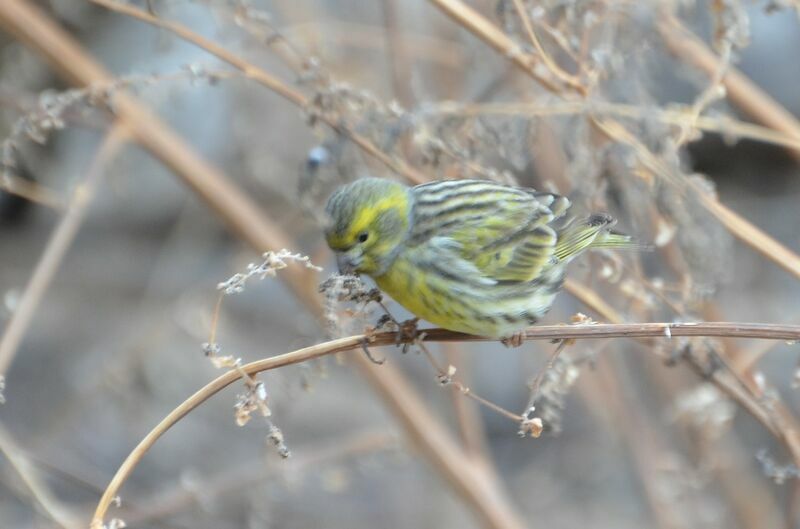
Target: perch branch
543, 332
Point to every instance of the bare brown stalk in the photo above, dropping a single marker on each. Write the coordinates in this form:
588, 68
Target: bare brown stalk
470, 425
740, 90
226, 200
58, 244
32, 191
554, 68
240, 213
38, 489
446, 377
494, 37
267, 80
742, 229
725, 126
232, 481
738, 226
543, 332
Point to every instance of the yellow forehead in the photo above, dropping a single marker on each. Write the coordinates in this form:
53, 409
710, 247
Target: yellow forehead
364, 219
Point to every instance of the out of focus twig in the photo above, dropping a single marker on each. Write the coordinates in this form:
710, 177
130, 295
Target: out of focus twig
60, 241
41, 493
740, 90
269, 81
543, 332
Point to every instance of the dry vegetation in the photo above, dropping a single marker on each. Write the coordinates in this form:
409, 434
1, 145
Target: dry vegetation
635, 405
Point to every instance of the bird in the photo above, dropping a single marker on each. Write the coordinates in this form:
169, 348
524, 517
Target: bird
472, 256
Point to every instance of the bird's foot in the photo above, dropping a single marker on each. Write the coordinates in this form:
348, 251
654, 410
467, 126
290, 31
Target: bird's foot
365, 347
515, 340
407, 333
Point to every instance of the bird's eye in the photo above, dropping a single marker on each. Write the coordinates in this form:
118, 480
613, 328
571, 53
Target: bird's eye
363, 236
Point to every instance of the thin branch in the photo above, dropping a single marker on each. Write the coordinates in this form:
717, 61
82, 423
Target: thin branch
742, 229
178, 498
556, 70
740, 90
57, 247
473, 482
494, 37
723, 125
41, 493
737, 225
470, 426
241, 214
543, 332
267, 80
227, 201
31, 191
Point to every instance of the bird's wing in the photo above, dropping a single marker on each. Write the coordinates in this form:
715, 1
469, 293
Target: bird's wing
501, 231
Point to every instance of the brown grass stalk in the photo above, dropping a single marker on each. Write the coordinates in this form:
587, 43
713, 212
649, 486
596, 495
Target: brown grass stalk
741, 228
57, 246
267, 80
31, 191
54, 509
543, 332
37, 30
740, 90
241, 214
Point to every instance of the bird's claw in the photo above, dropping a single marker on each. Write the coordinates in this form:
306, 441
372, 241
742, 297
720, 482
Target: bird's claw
407, 333
515, 340
365, 347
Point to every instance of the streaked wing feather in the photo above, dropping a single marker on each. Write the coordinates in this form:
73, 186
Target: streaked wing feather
502, 231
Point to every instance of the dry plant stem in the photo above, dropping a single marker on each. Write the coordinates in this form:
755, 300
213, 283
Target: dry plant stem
554, 68
740, 90
265, 79
396, 56
241, 214
471, 481
646, 447
720, 125
738, 226
494, 37
470, 425
57, 246
32, 191
536, 384
228, 202
38, 489
232, 481
442, 373
544, 332
438, 51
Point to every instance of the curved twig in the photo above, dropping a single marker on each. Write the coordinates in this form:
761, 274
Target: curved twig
543, 332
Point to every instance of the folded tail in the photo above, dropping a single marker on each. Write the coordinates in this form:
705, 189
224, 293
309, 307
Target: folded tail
593, 232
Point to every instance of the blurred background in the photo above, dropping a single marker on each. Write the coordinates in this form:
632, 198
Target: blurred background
673, 116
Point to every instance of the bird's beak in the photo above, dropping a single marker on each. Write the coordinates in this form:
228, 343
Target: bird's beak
345, 265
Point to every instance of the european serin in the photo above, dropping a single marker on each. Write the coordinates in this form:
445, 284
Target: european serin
468, 255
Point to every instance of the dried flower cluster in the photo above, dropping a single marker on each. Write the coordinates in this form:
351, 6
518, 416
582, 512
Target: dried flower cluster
273, 261
778, 473
339, 289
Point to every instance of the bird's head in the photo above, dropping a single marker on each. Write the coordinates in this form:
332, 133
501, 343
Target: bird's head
368, 221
